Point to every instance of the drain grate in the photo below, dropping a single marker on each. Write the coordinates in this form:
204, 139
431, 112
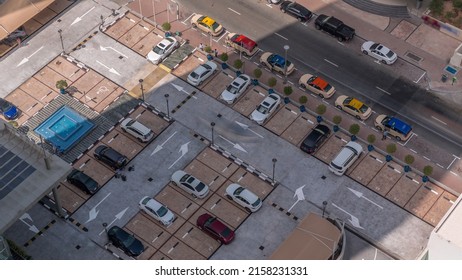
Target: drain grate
413, 56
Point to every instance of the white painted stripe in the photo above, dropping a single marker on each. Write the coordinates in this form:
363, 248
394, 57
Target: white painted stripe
440, 165
234, 11
185, 235
344, 140
453, 173
281, 36
154, 240
328, 61
415, 181
382, 90
341, 43
439, 120
426, 158
213, 206
397, 171
456, 156
413, 151
379, 160
451, 163
433, 191
310, 121
169, 251
420, 78
450, 201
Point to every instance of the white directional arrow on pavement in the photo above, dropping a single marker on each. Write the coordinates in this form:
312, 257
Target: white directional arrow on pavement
80, 18
26, 59
246, 127
161, 146
112, 70
111, 48
180, 88
32, 228
183, 150
93, 212
361, 195
300, 196
118, 216
353, 219
235, 145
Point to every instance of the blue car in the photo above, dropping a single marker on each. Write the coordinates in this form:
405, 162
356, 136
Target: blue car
8, 110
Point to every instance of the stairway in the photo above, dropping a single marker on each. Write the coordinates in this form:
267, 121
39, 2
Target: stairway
379, 8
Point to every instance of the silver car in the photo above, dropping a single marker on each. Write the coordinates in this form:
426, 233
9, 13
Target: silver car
242, 196
136, 129
157, 210
162, 50
379, 51
266, 107
233, 90
190, 184
201, 73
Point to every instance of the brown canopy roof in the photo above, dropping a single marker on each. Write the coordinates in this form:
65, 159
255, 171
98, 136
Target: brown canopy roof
14, 13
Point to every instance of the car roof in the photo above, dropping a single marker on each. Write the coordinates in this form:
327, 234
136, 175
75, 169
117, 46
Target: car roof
152, 203
355, 103
245, 41
208, 21
275, 58
321, 83
399, 125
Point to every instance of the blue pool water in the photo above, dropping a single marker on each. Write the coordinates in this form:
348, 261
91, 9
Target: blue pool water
64, 128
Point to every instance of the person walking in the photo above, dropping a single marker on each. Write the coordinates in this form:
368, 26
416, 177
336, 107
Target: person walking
216, 53
385, 134
201, 46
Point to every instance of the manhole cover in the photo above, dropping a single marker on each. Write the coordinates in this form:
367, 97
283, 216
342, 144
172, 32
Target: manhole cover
413, 57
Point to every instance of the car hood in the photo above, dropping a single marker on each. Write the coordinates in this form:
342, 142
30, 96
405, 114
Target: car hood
257, 116
136, 248
367, 45
11, 113
152, 56
228, 96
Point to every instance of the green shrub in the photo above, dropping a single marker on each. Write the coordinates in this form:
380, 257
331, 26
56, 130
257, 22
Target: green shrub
208, 49
428, 170
61, 84
272, 82
166, 26
337, 119
371, 138
257, 73
238, 64
409, 159
450, 15
288, 90
391, 148
303, 99
457, 4
354, 129
224, 57
321, 109
436, 6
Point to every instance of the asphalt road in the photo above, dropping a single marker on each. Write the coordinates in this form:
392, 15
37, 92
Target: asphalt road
383, 87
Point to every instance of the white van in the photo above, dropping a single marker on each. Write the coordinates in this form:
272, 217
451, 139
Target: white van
345, 158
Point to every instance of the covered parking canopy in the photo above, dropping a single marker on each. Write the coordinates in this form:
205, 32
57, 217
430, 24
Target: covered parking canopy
14, 13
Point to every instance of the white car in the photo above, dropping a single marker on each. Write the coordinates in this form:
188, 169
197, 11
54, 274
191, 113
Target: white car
266, 107
345, 158
379, 51
201, 73
190, 184
242, 196
162, 50
136, 129
238, 86
157, 210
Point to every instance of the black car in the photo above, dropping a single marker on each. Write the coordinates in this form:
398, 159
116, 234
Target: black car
296, 10
125, 241
82, 181
315, 138
110, 156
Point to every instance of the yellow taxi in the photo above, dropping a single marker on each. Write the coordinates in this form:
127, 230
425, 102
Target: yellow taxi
316, 85
207, 24
353, 107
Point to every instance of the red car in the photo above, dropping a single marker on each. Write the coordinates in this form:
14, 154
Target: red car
215, 228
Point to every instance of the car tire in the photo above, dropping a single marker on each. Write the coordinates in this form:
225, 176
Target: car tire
321, 95
194, 25
384, 62
97, 157
365, 52
358, 117
229, 197
339, 107
282, 10
209, 33
379, 128
340, 39
140, 140
248, 210
193, 195
398, 138
175, 184
317, 26
124, 130
300, 19
303, 86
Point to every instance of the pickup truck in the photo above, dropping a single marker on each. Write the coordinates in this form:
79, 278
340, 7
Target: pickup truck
335, 27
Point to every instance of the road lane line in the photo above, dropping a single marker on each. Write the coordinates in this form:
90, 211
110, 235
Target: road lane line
383, 90
439, 120
234, 11
450, 163
281, 36
330, 62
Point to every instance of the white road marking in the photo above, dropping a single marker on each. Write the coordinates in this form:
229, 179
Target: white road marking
415, 152
281, 36
440, 165
420, 78
454, 173
439, 120
184, 22
426, 158
330, 62
433, 191
382, 90
341, 43
234, 11
451, 162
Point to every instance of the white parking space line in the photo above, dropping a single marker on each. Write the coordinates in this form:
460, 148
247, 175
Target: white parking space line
310, 121
324, 101
281, 36
452, 162
420, 78
213, 181
187, 19
426, 158
269, 5
435, 118
440, 165
234, 11
453, 173
328, 61
221, 36
382, 90
341, 43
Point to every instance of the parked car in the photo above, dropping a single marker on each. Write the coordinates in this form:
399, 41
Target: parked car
162, 50
207, 24
125, 241
334, 27
215, 228
242, 196
395, 127
315, 138
157, 210
201, 73
235, 89
266, 108
345, 158
241, 43
379, 52
83, 181
353, 107
274, 1
136, 129
316, 85
190, 184
8, 110
110, 157
275, 62
296, 10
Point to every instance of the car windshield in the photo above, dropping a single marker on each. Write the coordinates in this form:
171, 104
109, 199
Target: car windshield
226, 232
128, 240
375, 46
206, 66
262, 109
194, 75
390, 54
162, 211
238, 191
232, 89
158, 50
200, 187
257, 202
363, 109
5, 105
185, 177
215, 26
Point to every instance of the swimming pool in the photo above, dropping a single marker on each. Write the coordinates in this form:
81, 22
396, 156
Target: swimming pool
64, 128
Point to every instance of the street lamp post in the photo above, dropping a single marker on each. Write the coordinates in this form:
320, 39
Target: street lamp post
154, 11
286, 48
61, 38
142, 89
324, 204
102, 21
274, 166
168, 109
212, 124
